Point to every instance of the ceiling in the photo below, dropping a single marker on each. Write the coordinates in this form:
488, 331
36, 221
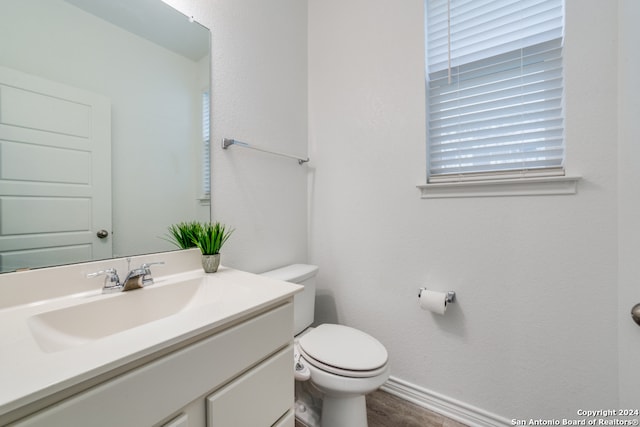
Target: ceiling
148, 19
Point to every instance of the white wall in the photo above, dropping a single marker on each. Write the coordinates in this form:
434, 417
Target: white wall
259, 95
533, 333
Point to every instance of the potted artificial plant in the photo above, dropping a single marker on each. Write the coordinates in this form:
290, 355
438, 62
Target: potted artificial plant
210, 237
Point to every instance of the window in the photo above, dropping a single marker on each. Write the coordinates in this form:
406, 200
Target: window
494, 89
206, 147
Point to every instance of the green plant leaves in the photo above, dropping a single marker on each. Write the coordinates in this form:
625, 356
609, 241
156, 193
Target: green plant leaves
208, 237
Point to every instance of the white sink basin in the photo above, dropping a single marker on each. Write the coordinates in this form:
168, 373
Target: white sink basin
72, 326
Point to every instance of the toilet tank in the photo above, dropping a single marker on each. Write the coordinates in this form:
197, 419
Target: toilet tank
303, 302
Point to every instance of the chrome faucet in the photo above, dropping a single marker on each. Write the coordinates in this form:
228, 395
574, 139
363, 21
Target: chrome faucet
139, 277
136, 278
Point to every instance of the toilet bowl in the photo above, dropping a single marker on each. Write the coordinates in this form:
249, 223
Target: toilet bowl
342, 363
345, 364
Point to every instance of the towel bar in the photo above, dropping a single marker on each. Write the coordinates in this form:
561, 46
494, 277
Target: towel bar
226, 142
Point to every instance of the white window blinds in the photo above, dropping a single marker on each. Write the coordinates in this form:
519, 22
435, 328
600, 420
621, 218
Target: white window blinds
206, 144
495, 87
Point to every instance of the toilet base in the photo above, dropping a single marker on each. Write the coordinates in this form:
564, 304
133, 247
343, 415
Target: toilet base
344, 411
308, 404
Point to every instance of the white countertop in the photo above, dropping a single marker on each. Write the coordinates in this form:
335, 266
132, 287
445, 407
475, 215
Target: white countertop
28, 373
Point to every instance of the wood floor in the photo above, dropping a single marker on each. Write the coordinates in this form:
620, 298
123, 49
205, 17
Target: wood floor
386, 410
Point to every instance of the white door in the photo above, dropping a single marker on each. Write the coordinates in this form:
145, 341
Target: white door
628, 115
55, 173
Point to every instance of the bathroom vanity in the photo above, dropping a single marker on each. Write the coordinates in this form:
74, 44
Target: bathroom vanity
193, 349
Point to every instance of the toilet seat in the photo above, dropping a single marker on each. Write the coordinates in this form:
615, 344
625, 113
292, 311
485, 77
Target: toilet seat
344, 351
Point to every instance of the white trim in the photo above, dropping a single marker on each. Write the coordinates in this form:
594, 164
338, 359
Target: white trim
444, 405
538, 186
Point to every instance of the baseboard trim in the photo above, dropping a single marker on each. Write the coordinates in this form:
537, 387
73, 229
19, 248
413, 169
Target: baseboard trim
443, 405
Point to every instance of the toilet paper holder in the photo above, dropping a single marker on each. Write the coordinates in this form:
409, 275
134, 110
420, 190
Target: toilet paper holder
450, 297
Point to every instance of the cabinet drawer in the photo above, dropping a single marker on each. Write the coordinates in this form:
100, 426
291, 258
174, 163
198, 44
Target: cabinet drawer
259, 398
146, 395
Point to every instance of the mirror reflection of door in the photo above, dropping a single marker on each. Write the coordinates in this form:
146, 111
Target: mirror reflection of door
55, 172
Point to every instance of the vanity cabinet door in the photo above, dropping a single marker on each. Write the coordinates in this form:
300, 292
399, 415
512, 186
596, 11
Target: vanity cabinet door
289, 420
258, 398
181, 421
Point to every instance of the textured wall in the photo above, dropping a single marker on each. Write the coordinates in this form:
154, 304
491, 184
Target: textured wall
259, 95
533, 332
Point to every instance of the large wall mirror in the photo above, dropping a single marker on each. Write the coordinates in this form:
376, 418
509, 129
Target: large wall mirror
103, 128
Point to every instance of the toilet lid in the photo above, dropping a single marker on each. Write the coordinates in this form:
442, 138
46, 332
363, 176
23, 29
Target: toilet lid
344, 348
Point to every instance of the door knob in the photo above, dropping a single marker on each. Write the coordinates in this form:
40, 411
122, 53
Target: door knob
102, 234
635, 313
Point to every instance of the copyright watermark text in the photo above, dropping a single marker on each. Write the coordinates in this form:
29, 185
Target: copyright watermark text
587, 417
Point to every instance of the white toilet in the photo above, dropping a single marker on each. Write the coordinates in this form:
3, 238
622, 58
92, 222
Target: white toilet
343, 363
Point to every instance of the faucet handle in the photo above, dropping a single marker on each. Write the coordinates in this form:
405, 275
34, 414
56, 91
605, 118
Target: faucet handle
109, 272
146, 265
145, 268
111, 281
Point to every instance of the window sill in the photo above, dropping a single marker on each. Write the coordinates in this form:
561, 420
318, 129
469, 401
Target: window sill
534, 186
